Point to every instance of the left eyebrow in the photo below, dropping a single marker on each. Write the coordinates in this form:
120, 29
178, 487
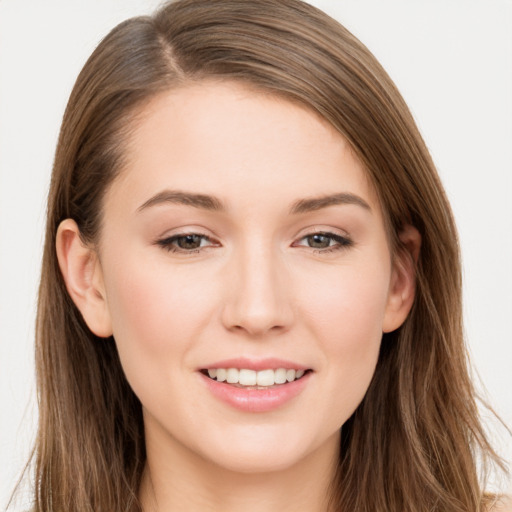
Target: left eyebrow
317, 203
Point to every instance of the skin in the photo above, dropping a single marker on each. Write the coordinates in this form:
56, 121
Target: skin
255, 288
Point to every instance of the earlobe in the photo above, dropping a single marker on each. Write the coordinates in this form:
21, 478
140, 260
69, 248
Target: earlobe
403, 279
82, 273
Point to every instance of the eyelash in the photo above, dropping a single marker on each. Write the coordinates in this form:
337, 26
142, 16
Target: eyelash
169, 244
342, 242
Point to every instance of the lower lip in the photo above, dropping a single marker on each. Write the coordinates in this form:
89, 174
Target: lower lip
256, 400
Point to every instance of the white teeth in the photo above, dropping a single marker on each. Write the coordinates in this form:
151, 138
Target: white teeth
263, 378
290, 375
280, 376
232, 376
247, 378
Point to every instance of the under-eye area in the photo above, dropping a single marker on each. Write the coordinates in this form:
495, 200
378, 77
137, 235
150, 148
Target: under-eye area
255, 379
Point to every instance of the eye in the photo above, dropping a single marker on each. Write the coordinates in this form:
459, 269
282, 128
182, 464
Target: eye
324, 241
186, 242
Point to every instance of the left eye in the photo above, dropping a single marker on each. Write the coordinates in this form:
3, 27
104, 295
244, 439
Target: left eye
185, 242
324, 241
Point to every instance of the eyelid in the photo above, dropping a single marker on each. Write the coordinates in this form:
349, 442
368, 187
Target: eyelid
322, 230
344, 241
167, 241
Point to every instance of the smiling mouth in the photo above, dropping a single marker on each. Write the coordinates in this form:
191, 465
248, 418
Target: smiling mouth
251, 379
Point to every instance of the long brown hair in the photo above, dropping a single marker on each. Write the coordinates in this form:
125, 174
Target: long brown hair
413, 442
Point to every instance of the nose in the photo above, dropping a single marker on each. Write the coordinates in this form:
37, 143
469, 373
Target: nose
259, 294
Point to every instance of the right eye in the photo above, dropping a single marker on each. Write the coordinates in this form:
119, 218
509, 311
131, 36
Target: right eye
186, 242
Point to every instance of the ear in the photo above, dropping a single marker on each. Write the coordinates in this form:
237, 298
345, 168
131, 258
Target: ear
81, 270
403, 279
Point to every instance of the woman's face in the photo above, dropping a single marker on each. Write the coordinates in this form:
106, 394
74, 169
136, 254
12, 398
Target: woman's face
243, 235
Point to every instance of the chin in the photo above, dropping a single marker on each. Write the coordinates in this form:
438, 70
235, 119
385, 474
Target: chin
260, 450
255, 461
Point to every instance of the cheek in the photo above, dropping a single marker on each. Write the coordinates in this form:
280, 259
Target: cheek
156, 311
345, 315
348, 304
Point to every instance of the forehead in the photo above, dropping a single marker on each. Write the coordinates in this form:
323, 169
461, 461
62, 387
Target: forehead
241, 145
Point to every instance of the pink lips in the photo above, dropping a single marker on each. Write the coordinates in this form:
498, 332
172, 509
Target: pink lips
256, 400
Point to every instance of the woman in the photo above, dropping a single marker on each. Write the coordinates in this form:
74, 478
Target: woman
251, 283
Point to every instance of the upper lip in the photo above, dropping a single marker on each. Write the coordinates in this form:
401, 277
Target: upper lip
256, 364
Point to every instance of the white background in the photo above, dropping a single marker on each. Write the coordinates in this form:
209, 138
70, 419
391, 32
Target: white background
452, 61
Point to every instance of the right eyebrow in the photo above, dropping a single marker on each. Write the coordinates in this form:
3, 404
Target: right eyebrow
202, 201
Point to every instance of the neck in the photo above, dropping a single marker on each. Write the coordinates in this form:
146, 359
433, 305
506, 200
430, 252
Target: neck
177, 479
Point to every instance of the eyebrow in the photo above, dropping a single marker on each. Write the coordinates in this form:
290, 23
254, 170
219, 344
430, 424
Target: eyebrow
202, 201
211, 203
317, 203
